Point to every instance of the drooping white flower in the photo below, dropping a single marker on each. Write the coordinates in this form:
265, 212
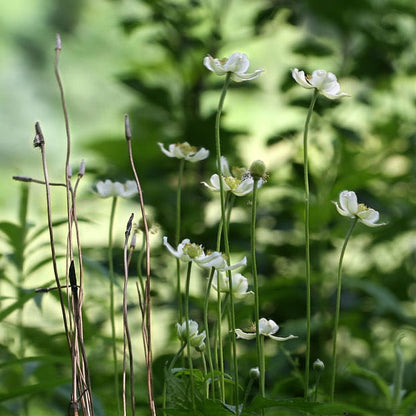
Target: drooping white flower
196, 340
239, 182
185, 151
237, 64
187, 252
109, 188
220, 281
325, 82
266, 328
349, 207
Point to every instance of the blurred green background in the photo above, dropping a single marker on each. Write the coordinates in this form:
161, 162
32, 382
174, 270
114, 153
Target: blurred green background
144, 58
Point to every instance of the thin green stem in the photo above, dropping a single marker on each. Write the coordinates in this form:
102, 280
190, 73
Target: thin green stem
225, 235
307, 241
177, 238
188, 345
206, 325
337, 309
112, 309
259, 344
220, 349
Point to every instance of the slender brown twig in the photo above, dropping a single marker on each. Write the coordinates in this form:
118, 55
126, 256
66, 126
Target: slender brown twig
127, 337
80, 364
146, 322
27, 179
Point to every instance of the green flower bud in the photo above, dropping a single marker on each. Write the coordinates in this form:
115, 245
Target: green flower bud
318, 365
258, 170
254, 373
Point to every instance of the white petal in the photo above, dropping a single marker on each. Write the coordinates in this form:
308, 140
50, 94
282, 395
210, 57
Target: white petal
246, 77
244, 335
267, 327
129, 189
201, 154
210, 187
369, 217
318, 78
225, 169
214, 65
166, 152
242, 262
348, 202
237, 63
244, 188
299, 77
282, 338
104, 189
214, 259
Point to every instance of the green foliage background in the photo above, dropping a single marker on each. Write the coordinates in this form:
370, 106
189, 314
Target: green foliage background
145, 58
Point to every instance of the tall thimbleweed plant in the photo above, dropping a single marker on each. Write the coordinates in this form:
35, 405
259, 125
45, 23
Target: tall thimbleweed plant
348, 206
184, 152
325, 83
234, 69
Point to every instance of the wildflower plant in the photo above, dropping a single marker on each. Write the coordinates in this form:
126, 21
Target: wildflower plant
348, 207
325, 83
203, 376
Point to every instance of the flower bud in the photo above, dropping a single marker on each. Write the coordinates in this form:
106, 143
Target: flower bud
254, 373
257, 170
81, 168
318, 365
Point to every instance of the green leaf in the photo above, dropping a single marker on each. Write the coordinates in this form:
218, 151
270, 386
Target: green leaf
16, 305
373, 377
323, 409
44, 385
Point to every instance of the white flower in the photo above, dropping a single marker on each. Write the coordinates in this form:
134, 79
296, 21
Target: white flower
349, 207
240, 284
187, 251
239, 183
325, 82
108, 188
185, 151
196, 340
237, 64
266, 328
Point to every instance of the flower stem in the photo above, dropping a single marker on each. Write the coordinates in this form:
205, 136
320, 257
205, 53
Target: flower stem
307, 241
177, 238
188, 345
206, 325
225, 234
337, 309
112, 309
256, 286
220, 348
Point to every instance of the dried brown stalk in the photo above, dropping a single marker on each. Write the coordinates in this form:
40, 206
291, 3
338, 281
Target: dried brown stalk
146, 317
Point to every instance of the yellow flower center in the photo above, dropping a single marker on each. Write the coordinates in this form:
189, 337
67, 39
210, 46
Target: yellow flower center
233, 183
362, 208
187, 149
193, 250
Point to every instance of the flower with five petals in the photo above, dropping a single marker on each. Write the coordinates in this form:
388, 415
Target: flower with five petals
349, 207
187, 252
108, 188
325, 82
220, 282
185, 151
237, 65
196, 340
239, 181
266, 328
